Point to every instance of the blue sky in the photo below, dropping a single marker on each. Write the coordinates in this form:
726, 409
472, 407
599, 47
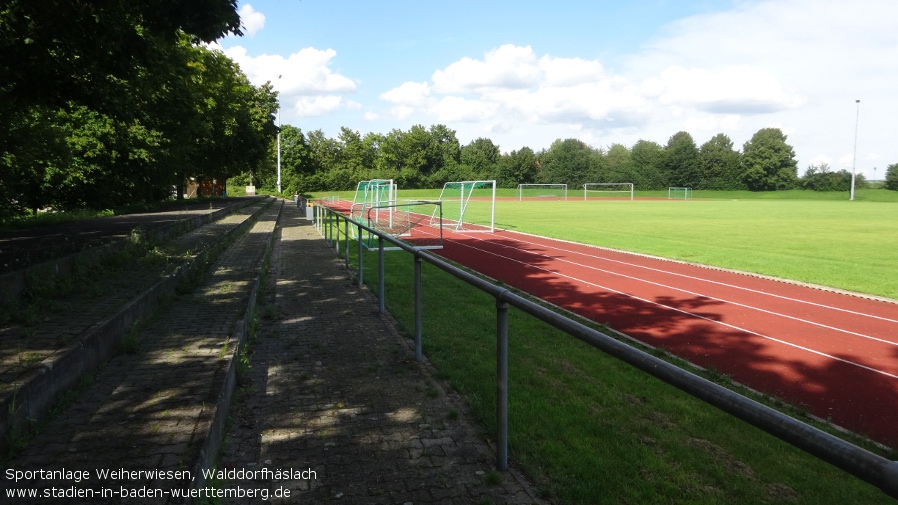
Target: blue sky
526, 73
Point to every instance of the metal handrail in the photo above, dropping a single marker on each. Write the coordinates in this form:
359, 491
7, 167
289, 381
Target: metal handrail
863, 464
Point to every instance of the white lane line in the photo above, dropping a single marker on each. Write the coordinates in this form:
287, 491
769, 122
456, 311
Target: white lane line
734, 286
744, 330
694, 293
675, 309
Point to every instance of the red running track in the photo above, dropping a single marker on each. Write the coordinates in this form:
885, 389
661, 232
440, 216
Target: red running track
834, 354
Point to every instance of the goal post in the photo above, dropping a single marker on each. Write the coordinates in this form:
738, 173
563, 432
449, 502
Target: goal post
542, 191
604, 190
468, 206
373, 193
679, 193
410, 221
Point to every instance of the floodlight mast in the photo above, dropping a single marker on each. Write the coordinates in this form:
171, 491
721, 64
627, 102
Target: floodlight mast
854, 159
279, 137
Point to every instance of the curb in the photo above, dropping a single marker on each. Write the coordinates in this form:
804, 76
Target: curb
217, 415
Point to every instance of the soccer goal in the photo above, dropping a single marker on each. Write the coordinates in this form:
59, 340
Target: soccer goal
411, 221
379, 193
674, 193
542, 191
468, 206
373, 193
606, 190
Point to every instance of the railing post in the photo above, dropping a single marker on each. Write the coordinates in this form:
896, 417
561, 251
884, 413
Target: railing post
346, 237
361, 274
380, 267
337, 234
501, 383
419, 310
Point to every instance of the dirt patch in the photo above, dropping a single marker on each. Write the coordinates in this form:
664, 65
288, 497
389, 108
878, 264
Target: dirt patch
722, 457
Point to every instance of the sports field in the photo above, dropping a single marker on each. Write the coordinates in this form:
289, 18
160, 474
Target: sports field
837, 243
839, 355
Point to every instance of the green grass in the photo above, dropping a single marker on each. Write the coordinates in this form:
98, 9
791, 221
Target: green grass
591, 429
847, 245
820, 238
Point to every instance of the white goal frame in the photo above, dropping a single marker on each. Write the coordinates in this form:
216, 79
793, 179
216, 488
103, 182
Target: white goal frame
561, 187
673, 191
374, 193
627, 185
455, 198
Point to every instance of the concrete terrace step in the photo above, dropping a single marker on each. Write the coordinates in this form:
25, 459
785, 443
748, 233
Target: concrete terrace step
76, 333
158, 408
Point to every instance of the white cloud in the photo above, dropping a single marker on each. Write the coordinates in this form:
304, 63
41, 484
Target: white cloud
730, 90
409, 93
793, 64
305, 83
250, 20
316, 105
506, 67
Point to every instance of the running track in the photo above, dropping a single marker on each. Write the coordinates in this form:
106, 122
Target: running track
834, 354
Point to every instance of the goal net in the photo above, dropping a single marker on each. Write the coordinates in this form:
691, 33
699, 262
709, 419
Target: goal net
373, 193
468, 206
675, 193
410, 221
542, 191
606, 190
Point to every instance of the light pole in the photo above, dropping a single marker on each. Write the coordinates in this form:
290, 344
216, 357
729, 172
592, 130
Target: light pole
854, 160
279, 139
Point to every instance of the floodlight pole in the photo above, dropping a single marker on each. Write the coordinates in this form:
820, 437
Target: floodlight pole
854, 160
279, 137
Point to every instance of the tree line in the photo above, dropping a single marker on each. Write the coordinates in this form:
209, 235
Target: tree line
106, 104
428, 157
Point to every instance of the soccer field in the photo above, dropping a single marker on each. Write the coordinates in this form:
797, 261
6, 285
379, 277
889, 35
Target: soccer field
837, 243
846, 245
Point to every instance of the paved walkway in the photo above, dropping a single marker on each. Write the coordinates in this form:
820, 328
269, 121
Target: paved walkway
335, 408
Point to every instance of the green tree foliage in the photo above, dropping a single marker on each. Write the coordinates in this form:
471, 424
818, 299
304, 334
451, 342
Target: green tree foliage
648, 165
681, 164
768, 162
482, 156
427, 157
618, 165
892, 177
517, 167
298, 165
718, 165
54, 52
822, 178
109, 103
565, 162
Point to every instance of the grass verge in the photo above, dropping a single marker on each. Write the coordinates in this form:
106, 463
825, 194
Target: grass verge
591, 429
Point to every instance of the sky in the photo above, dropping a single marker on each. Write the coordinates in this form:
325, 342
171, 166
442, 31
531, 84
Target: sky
524, 73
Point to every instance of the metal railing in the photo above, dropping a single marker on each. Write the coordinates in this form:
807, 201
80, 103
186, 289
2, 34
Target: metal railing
868, 466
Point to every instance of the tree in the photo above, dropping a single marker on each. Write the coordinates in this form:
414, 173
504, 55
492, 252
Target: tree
516, 167
718, 164
892, 177
565, 162
482, 156
768, 162
681, 161
618, 165
53, 53
648, 162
